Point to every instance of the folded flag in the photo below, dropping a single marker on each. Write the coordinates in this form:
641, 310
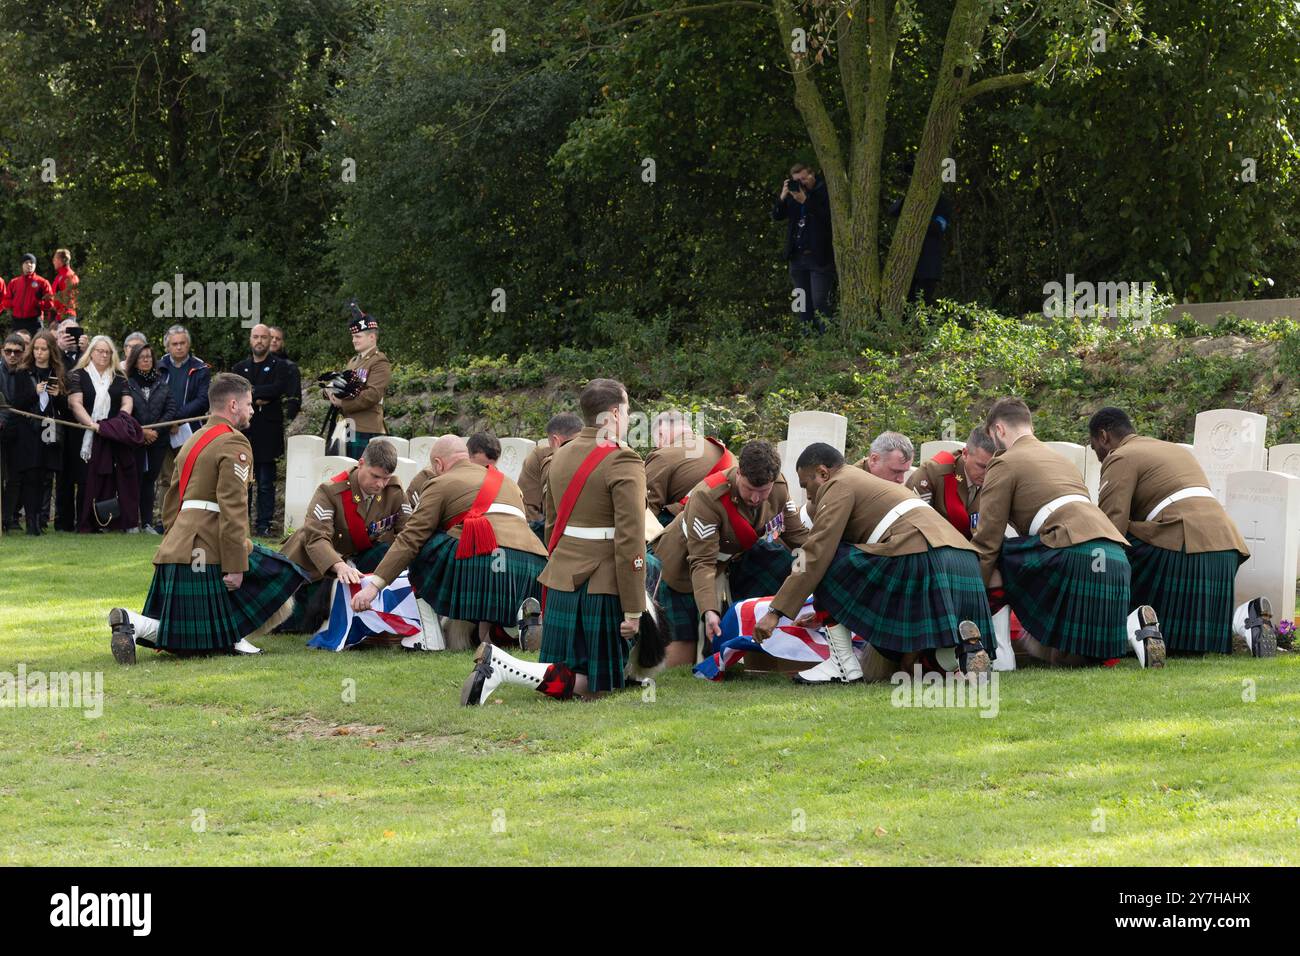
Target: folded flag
788, 641
394, 611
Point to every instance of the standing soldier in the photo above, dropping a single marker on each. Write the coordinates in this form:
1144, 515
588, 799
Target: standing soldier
595, 577
26, 297
1184, 548
950, 483
680, 461
372, 368
63, 304
270, 377
559, 429
1053, 556
351, 520
722, 547
212, 587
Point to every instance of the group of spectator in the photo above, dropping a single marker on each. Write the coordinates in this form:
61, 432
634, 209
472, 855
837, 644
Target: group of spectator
107, 475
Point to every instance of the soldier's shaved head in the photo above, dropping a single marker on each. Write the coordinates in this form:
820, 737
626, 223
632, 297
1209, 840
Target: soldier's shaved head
446, 451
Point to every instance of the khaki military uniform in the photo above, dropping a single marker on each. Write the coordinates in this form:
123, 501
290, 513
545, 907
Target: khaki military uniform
447, 496
849, 507
324, 539
366, 408
930, 481
700, 542
614, 496
672, 471
1019, 482
530, 480
1139, 474
221, 475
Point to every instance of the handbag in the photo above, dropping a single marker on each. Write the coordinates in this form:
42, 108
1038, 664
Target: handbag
107, 511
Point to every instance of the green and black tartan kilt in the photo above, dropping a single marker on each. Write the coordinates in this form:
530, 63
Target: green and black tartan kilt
313, 597
487, 587
1076, 599
581, 630
760, 571
680, 611
195, 612
907, 603
1192, 594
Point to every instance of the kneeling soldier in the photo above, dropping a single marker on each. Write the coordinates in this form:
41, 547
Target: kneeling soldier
1184, 548
884, 566
212, 587
726, 536
1053, 556
351, 520
950, 483
680, 461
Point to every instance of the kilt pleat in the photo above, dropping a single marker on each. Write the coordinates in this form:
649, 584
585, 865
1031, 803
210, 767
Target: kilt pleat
271, 579
1076, 599
193, 609
581, 630
910, 602
760, 571
680, 611
487, 587
1192, 594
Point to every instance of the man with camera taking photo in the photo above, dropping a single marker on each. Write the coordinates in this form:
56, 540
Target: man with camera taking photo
806, 207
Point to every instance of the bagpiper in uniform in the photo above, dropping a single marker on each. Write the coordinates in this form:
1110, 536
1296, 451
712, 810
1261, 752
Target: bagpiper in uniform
352, 519
366, 408
559, 429
733, 540
212, 587
1053, 556
680, 461
882, 565
595, 576
469, 551
1183, 547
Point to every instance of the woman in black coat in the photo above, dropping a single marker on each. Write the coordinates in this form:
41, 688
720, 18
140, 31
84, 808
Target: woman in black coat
152, 401
40, 444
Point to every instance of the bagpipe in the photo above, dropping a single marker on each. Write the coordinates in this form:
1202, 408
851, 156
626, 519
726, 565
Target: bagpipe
341, 384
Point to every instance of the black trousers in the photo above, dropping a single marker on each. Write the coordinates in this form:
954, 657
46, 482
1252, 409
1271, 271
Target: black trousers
71, 485
148, 460
33, 482
816, 283
264, 472
10, 487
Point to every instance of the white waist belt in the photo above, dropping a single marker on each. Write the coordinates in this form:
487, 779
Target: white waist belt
496, 508
1196, 491
591, 534
892, 515
1046, 510
198, 504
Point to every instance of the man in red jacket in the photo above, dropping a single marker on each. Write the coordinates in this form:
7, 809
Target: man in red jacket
63, 304
27, 297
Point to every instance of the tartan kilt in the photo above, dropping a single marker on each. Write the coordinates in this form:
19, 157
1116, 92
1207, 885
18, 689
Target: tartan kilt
581, 630
680, 612
760, 571
317, 592
271, 579
1062, 601
477, 588
907, 603
1192, 594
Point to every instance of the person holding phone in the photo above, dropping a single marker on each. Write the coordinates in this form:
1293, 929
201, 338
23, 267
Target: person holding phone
805, 206
40, 444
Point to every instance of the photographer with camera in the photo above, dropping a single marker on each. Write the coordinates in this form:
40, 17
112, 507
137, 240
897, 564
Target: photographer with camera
806, 207
371, 371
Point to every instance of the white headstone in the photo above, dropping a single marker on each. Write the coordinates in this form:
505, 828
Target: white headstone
401, 444
419, 449
1071, 452
513, 453
1092, 474
1285, 458
1183, 444
407, 468
327, 466
931, 448
807, 428
1266, 507
1228, 440
299, 477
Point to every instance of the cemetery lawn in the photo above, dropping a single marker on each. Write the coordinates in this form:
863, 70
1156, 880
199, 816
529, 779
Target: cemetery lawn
238, 761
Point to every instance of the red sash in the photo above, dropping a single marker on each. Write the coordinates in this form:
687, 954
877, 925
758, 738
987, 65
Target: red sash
477, 536
724, 462
356, 524
570, 499
955, 509
746, 536
209, 436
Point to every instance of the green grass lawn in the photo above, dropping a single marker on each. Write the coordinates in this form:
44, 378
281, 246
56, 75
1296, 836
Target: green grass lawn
234, 760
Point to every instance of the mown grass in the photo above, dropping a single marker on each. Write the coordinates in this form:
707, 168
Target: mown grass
1089, 767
